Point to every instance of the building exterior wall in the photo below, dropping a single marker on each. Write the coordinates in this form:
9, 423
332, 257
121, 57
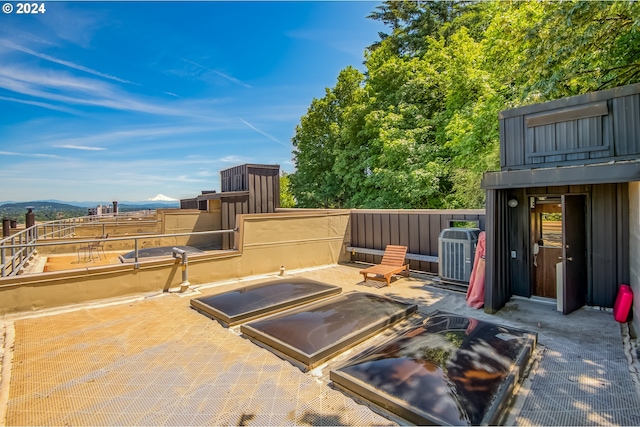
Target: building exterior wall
175, 221
634, 249
264, 188
592, 128
587, 144
607, 223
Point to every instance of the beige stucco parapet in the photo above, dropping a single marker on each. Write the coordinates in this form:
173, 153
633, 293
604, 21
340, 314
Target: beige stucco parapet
265, 243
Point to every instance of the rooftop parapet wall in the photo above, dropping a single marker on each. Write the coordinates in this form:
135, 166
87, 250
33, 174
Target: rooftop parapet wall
266, 242
597, 127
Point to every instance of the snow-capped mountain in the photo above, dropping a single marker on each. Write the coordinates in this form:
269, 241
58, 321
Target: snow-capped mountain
162, 198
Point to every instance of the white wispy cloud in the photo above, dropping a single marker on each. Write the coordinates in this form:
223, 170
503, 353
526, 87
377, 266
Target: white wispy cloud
273, 138
41, 104
31, 155
80, 147
225, 76
55, 86
63, 62
130, 134
234, 159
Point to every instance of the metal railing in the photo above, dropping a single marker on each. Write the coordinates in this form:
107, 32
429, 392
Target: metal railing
65, 228
23, 250
20, 248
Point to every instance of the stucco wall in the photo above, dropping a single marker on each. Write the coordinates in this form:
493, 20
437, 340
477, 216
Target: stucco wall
170, 221
634, 249
133, 226
267, 241
190, 220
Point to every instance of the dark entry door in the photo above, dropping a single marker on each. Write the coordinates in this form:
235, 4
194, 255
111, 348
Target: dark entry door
574, 253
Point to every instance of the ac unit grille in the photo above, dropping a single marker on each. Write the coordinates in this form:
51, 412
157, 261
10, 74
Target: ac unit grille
455, 234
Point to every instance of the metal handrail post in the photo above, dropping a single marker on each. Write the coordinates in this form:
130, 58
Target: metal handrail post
13, 253
22, 252
2, 260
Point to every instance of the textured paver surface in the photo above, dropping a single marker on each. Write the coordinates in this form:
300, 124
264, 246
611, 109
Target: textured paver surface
155, 361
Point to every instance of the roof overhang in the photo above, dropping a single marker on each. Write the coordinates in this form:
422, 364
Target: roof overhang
223, 195
607, 173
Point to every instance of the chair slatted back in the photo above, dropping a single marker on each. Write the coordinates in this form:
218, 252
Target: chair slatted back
394, 255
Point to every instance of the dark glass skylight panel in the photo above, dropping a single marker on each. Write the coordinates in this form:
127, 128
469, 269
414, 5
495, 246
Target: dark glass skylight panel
313, 333
452, 370
250, 302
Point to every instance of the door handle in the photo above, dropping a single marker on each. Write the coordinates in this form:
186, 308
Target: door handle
570, 258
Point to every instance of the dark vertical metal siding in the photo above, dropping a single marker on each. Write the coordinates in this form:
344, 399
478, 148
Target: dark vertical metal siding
414, 239
626, 125
229, 208
604, 245
264, 189
377, 237
418, 231
601, 130
610, 241
234, 179
368, 239
434, 234
624, 266
497, 275
570, 140
189, 204
512, 130
519, 242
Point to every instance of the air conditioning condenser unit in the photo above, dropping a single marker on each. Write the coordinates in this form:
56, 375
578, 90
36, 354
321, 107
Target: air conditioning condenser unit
456, 251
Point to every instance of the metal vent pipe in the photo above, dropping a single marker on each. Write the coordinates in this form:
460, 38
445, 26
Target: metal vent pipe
182, 255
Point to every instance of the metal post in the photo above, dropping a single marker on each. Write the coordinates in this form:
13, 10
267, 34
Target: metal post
13, 253
136, 251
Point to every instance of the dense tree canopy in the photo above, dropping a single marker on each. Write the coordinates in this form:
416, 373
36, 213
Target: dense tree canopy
419, 128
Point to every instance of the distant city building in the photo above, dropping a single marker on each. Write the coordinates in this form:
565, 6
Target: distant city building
100, 210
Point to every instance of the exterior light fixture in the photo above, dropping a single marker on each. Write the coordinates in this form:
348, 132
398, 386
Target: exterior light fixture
512, 203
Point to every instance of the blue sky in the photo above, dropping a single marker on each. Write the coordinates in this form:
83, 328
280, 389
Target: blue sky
107, 101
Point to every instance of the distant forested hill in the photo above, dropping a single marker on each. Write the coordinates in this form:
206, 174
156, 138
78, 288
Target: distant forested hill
45, 211
49, 211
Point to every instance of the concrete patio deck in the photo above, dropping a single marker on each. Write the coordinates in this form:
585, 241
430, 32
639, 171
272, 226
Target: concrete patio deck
152, 360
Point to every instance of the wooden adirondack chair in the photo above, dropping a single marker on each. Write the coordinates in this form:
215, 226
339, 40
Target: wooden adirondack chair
392, 263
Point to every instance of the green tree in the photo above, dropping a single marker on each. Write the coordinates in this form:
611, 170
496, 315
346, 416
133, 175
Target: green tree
412, 21
582, 46
406, 167
287, 200
317, 142
420, 127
